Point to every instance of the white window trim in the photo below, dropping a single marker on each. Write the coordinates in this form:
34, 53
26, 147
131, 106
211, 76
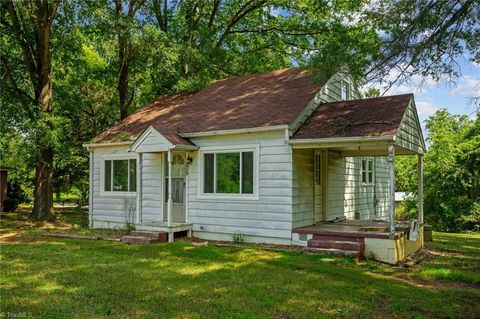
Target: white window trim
255, 148
102, 175
368, 159
348, 89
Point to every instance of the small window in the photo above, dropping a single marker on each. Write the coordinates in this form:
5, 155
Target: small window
367, 171
120, 175
345, 95
228, 173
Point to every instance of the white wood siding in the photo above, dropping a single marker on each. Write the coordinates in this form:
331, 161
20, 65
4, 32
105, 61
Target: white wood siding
348, 196
266, 219
152, 187
332, 92
303, 188
409, 133
108, 210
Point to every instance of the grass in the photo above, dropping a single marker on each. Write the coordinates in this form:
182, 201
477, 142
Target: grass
69, 278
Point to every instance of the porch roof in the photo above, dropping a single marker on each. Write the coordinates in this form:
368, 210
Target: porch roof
364, 126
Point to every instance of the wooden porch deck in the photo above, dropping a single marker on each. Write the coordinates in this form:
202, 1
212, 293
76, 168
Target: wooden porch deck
354, 228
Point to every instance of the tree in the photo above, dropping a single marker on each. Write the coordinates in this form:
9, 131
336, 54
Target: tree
425, 38
451, 174
30, 23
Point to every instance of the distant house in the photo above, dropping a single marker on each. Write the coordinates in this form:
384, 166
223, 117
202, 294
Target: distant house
266, 156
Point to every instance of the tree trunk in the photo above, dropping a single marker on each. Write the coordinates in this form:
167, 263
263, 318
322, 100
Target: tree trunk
123, 75
43, 200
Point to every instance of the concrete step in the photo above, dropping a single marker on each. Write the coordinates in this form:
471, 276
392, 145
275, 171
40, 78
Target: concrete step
332, 251
160, 236
335, 244
129, 239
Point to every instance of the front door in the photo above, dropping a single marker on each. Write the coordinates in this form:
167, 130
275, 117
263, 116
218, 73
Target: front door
178, 188
318, 172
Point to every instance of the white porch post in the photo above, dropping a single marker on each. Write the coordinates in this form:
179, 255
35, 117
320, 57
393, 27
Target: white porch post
169, 201
420, 188
391, 170
139, 188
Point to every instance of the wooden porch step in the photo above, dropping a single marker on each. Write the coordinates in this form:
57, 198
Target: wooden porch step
338, 237
160, 236
335, 244
333, 251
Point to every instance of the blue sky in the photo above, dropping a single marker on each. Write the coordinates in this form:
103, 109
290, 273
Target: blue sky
432, 96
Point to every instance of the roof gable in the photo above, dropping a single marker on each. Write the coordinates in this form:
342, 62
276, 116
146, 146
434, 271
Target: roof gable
409, 133
152, 140
380, 116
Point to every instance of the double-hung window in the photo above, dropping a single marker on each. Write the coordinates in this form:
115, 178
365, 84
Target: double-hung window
120, 175
228, 172
367, 171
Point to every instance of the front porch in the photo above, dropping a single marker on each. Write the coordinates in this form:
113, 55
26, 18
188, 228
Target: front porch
362, 238
349, 144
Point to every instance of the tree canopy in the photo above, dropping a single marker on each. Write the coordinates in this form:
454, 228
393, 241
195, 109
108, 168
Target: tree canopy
70, 69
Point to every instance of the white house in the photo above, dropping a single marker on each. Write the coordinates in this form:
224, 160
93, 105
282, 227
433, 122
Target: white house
264, 156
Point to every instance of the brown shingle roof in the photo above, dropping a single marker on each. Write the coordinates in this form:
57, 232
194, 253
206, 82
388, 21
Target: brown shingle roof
135, 124
259, 100
365, 117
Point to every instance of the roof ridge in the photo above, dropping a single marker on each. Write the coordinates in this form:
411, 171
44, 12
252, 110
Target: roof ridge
246, 76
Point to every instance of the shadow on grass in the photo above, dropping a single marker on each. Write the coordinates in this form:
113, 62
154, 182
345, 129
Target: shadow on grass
74, 278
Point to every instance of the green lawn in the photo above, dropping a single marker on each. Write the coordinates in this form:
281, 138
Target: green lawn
66, 278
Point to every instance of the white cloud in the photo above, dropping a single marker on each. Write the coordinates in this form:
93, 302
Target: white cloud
425, 107
469, 87
415, 84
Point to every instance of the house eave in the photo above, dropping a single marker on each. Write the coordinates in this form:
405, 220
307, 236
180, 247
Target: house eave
235, 131
331, 141
89, 145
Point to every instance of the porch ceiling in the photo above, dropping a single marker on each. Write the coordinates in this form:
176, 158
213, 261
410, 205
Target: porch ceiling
361, 146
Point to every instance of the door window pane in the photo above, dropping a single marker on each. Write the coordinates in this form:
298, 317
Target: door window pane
120, 175
133, 175
208, 170
108, 176
228, 173
247, 173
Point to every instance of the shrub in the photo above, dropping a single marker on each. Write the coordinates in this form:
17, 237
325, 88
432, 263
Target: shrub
10, 204
238, 238
471, 221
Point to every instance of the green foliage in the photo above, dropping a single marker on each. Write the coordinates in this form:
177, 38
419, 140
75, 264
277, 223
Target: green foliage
238, 239
451, 174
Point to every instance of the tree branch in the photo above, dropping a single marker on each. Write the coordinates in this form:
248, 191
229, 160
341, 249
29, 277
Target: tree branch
248, 7
24, 97
216, 5
27, 51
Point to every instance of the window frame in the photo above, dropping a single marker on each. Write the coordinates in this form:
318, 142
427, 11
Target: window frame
348, 93
228, 149
367, 171
103, 192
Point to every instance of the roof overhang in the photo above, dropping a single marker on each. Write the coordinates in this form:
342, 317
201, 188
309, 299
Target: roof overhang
235, 131
152, 141
92, 145
355, 146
